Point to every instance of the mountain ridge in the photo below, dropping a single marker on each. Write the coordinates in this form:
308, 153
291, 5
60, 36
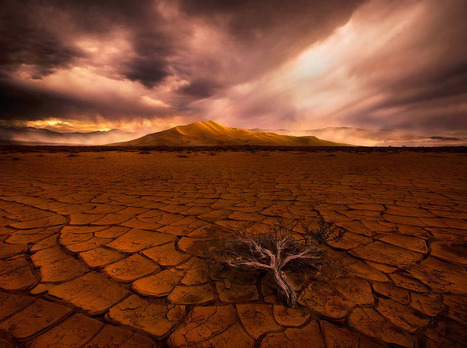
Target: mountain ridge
212, 133
43, 136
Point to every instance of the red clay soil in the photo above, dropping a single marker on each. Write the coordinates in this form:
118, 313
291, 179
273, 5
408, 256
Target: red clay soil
104, 249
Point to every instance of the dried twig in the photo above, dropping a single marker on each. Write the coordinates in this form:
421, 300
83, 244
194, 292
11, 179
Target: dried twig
277, 250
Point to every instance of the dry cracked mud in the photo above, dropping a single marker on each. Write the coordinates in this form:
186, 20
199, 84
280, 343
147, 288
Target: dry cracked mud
107, 249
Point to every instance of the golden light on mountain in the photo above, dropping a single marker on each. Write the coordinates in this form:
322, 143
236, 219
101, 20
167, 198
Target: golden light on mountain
211, 133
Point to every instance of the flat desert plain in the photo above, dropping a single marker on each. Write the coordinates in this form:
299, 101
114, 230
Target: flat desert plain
106, 248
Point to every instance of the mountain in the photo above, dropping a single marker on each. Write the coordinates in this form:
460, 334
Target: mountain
40, 136
211, 133
382, 137
391, 137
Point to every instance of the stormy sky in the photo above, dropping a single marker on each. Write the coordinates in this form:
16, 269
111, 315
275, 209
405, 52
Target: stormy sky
392, 67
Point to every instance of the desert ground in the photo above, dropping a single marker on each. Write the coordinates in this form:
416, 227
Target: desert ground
106, 248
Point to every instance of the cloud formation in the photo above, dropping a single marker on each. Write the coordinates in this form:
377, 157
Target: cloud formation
268, 64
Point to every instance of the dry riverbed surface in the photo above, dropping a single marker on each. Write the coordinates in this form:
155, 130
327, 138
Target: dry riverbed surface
106, 249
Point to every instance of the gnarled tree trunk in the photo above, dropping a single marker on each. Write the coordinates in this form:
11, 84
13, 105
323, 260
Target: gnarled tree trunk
283, 283
275, 251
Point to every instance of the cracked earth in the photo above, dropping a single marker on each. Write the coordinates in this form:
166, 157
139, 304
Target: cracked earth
107, 249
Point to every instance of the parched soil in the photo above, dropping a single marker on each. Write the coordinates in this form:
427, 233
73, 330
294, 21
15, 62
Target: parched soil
106, 248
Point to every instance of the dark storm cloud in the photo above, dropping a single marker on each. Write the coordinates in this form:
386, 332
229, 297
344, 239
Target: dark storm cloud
430, 94
265, 33
146, 69
253, 21
23, 40
37, 33
394, 64
152, 43
199, 88
100, 15
430, 101
258, 35
38, 36
27, 103
248, 63
445, 138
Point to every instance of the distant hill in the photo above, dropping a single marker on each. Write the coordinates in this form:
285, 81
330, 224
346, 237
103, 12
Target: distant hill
211, 133
40, 136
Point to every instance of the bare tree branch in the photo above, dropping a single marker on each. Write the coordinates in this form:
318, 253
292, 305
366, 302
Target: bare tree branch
278, 249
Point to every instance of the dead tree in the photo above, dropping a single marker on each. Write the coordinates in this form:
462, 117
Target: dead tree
277, 250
